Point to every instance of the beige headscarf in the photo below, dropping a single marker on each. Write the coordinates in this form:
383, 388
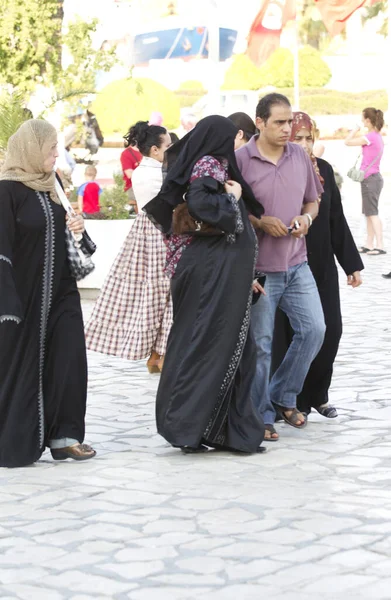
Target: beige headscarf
27, 151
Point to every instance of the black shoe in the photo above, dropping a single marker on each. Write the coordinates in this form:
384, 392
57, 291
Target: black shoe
328, 411
194, 450
387, 275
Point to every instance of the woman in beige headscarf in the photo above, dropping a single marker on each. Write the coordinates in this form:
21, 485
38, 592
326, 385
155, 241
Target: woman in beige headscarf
43, 369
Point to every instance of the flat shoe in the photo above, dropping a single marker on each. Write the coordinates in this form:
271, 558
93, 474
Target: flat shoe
363, 249
192, 450
376, 252
387, 275
292, 419
330, 412
271, 430
78, 452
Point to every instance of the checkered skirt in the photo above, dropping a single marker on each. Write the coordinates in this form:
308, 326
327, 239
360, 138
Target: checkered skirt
133, 313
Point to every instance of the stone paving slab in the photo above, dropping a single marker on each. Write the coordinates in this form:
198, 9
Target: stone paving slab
310, 519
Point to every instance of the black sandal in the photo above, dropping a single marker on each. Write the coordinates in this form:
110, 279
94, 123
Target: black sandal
376, 252
194, 450
292, 419
271, 429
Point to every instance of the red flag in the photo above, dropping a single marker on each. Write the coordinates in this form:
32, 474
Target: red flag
335, 13
265, 31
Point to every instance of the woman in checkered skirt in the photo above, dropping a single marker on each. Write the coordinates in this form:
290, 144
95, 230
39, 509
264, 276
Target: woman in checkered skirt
133, 314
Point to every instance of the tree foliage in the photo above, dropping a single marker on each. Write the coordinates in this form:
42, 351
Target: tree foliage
378, 9
31, 40
30, 50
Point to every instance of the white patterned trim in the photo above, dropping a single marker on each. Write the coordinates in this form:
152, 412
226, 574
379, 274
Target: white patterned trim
46, 303
231, 237
4, 318
7, 260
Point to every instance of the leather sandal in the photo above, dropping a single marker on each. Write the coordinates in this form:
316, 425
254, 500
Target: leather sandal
293, 417
271, 429
77, 452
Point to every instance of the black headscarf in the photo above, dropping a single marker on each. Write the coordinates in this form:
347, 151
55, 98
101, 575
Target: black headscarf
212, 136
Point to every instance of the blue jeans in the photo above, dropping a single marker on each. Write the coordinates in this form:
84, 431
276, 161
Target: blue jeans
295, 292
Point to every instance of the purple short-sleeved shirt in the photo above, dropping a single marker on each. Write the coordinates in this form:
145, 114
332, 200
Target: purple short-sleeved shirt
282, 190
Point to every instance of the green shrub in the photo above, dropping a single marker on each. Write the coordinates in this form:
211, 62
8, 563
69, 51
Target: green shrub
277, 71
122, 103
318, 101
192, 85
189, 92
114, 202
242, 74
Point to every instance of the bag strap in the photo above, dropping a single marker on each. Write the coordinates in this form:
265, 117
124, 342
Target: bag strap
64, 200
374, 160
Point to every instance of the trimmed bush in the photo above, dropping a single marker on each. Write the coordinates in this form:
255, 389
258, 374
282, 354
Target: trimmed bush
192, 85
122, 103
189, 92
318, 101
277, 71
242, 74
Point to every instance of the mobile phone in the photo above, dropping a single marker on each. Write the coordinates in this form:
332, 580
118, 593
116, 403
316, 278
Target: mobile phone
261, 280
295, 226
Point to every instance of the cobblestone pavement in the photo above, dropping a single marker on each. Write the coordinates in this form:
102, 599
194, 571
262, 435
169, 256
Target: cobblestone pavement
310, 519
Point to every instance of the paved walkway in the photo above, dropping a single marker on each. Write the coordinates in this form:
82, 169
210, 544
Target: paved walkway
309, 520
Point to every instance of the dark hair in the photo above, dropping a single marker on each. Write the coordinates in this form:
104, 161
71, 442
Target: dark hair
375, 116
144, 136
264, 106
244, 123
174, 137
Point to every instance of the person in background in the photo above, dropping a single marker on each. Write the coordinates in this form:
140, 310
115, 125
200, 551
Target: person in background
156, 118
246, 128
174, 137
372, 151
88, 194
328, 237
188, 121
130, 160
283, 180
133, 314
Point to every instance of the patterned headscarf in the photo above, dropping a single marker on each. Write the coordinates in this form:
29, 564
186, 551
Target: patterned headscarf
303, 121
27, 151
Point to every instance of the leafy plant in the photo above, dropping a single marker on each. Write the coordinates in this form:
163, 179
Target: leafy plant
12, 115
122, 103
114, 202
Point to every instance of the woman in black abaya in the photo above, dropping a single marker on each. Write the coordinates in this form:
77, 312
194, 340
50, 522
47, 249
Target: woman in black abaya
43, 367
204, 393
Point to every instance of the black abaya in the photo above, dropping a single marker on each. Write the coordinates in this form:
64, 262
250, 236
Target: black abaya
43, 367
329, 236
204, 391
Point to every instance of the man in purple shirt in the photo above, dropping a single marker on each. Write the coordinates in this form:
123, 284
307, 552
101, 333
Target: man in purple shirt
285, 183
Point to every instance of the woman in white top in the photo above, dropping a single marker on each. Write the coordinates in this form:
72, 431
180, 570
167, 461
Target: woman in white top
133, 314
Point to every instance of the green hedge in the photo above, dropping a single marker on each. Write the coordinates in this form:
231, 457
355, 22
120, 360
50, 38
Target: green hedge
277, 71
123, 102
317, 101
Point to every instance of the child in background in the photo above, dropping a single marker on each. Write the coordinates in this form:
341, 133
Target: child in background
88, 194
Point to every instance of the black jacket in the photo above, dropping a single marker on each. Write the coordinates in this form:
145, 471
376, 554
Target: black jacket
330, 234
